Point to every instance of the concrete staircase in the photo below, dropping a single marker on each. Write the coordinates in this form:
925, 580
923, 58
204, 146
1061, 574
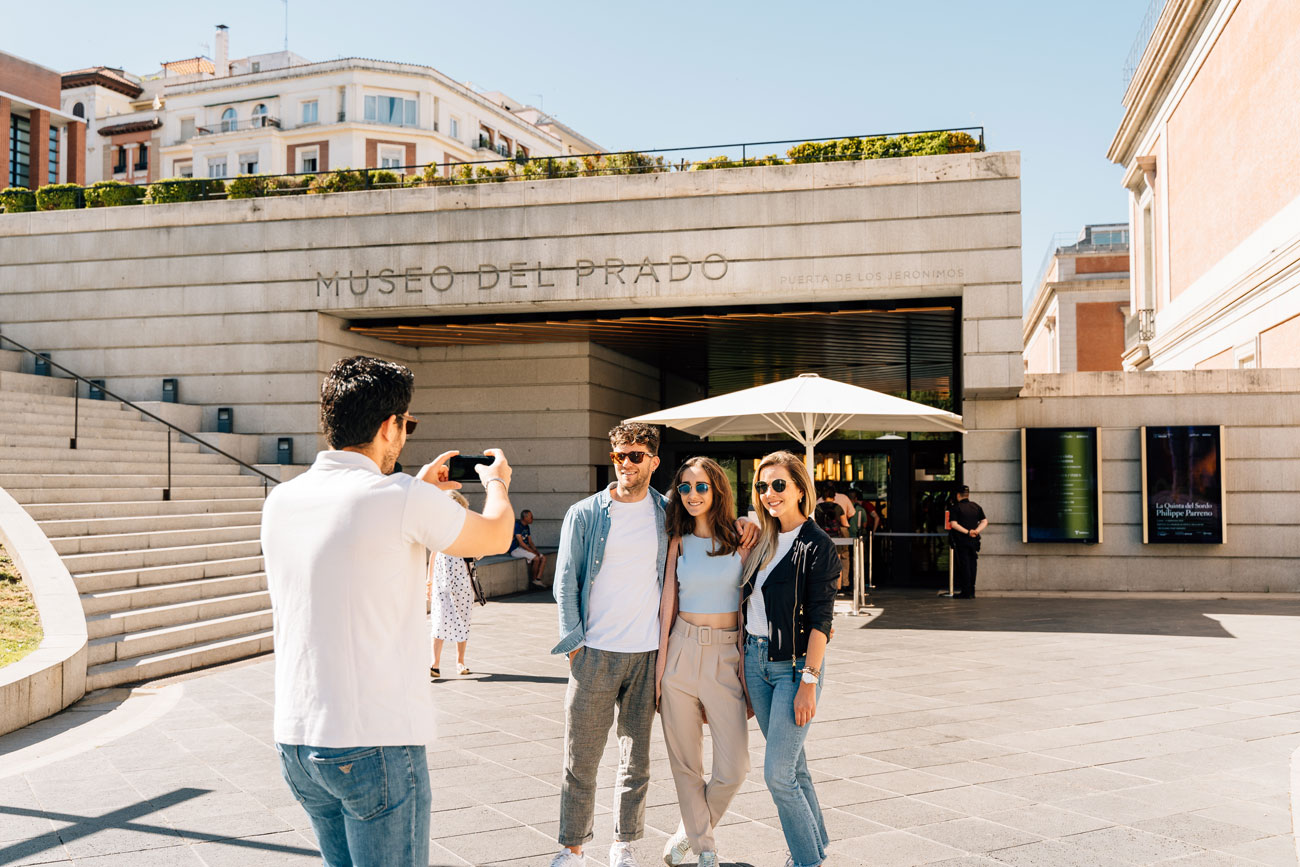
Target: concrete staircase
167, 586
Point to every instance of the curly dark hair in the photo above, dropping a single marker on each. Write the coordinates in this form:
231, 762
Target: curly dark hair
358, 395
635, 433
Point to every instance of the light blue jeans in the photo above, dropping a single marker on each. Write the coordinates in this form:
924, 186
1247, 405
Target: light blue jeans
369, 806
785, 767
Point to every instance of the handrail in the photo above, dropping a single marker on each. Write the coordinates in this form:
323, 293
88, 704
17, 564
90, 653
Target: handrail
977, 132
267, 479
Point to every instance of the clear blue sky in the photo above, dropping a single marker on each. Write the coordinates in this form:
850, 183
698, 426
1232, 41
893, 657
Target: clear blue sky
1042, 76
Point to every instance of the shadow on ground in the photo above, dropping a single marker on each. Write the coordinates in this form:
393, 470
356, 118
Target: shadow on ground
908, 609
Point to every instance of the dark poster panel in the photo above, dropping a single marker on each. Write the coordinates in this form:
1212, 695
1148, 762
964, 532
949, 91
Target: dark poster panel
1061, 488
1182, 485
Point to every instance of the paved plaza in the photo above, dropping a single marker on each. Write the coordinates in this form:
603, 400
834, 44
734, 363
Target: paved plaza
998, 731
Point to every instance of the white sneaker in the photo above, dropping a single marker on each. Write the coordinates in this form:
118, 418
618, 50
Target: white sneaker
567, 858
708, 859
676, 848
620, 855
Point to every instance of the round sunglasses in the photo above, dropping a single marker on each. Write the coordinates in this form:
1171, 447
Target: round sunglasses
778, 485
700, 488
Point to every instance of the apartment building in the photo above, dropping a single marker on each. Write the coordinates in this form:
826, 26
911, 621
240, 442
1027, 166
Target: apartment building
1076, 310
1208, 144
43, 144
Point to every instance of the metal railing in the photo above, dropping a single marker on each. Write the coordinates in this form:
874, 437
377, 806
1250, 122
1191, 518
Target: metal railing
267, 480
568, 165
260, 122
1145, 29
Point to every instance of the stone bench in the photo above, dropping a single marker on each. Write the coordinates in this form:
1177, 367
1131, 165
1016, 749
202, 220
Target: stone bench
502, 574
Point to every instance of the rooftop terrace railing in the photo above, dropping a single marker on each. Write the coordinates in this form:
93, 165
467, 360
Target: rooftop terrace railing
521, 167
1145, 29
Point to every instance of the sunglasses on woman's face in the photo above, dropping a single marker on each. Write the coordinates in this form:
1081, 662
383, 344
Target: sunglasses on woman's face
634, 457
700, 488
778, 485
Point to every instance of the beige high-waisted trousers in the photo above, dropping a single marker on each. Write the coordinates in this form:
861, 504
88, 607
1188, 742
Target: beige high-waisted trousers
702, 672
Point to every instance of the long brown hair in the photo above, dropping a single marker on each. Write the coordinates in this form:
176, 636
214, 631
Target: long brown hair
768, 526
721, 515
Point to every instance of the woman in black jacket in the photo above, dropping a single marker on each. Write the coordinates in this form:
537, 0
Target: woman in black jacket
788, 604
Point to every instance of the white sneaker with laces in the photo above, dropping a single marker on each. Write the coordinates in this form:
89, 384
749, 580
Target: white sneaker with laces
708, 859
620, 855
567, 858
676, 848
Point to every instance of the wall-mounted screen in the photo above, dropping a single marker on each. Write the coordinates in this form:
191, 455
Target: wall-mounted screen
1060, 485
1182, 485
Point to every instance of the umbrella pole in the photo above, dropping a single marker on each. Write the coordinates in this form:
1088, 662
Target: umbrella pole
809, 442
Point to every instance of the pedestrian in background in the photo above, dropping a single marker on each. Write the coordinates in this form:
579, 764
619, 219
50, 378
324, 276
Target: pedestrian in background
965, 524
452, 595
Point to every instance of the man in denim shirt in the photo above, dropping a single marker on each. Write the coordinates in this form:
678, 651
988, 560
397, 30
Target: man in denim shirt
608, 580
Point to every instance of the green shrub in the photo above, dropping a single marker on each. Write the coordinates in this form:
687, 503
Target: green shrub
58, 197
549, 167
294, 186
14, 200
384, 178
884, 147
247, 187
111, 194
341, 181
171, 190
494, 175
725, 162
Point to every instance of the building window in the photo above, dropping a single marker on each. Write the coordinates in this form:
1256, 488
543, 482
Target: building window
183, 169
259, 115
53, 174
228, 120
309, 112
119, 167
308, 160
217, 167
142, 158
521, 152
19, 151
187, 128
455, 128
248, 164
79, 110
257, 66
391, 158
343, 104
391, 110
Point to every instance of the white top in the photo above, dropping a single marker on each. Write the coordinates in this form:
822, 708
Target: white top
623, 609
846, 504
345, 563
756, 612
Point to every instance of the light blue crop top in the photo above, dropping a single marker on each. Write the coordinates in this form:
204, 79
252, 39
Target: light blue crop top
707, 585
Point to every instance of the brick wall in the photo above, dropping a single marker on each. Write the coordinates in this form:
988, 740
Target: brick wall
1099, 335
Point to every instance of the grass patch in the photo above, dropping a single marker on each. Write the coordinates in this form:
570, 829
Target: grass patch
20, 625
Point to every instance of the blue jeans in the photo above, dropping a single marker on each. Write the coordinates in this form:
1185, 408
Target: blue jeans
785, 767
369, 806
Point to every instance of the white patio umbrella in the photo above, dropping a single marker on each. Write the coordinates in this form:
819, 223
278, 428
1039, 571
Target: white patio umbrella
808, 408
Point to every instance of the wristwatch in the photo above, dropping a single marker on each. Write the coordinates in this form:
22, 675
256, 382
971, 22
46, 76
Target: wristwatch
808, 677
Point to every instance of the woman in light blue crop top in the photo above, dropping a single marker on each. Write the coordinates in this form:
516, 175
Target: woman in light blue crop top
699, 674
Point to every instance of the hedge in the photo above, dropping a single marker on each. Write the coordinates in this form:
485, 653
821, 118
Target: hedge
15, 200
884, 147
247, 187
340, 181
111, 194
58, 197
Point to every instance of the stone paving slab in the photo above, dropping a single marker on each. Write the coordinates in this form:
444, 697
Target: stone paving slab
983, 733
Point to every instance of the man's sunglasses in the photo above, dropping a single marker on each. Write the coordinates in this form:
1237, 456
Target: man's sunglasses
700, 488
778, 485
634, 457
411, 422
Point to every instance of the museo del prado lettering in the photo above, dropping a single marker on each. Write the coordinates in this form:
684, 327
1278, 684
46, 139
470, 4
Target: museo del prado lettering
611, 271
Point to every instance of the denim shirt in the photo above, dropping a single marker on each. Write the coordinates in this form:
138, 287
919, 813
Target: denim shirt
582, 550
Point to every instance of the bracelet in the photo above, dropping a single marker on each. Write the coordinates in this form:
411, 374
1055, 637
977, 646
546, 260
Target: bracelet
495, 479
815, 672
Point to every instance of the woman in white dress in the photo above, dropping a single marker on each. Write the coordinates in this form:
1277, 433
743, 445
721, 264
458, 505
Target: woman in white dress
452, 598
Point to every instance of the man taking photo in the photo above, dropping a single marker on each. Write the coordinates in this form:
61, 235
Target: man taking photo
344, 546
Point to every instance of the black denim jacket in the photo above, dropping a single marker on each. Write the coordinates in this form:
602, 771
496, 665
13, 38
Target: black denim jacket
799, 594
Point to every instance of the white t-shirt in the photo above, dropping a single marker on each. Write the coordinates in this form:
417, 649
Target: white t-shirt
623, 609
756, 612
345, 563
846, 504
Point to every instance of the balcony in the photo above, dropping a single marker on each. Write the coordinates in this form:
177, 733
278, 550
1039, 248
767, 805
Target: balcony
1139, 330
259, 122
484, 144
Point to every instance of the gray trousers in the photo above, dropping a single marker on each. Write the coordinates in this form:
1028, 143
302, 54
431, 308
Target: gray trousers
600, 683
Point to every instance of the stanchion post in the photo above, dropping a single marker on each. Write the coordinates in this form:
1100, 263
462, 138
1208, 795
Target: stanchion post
951, 557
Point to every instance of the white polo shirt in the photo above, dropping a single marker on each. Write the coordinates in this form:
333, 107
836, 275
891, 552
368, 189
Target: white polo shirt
345, 563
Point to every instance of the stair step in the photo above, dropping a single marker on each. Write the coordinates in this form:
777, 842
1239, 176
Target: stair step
119, 622
104, 605
53, 481
135, 508
73, 463
130, 444
156, 665
58, 420
18, 402
59, 528
30, 383
146, 539
119, 579
103, 561
111, 648
11, 360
